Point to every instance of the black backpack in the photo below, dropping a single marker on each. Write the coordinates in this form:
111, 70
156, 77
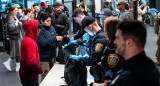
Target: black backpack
75, 74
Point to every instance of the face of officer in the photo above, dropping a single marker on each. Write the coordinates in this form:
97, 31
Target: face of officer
47, 22
56, 8
90, 30
120, 43
78, 19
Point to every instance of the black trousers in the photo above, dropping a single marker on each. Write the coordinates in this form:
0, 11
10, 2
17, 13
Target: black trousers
29, 82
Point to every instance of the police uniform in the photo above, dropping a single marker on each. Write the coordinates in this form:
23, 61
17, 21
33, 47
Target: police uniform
157, 31
137, 71
98, 44
111, 62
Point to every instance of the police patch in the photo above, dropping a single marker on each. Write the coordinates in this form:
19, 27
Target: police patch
113, 60
98, 47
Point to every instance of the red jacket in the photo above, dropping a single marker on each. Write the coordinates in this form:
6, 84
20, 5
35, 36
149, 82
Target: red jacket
29, 63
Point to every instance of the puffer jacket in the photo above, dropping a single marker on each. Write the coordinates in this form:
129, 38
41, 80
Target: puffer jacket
60, 22
30, 63
47, 43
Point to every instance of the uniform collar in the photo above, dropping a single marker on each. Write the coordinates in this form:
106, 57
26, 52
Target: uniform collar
135, 59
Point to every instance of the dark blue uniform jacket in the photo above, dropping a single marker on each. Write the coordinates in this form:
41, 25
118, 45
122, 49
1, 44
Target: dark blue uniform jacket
138, 71
98, 44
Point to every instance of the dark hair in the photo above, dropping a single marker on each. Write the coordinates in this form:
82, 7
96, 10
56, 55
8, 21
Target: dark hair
35, 4
26, 11
47, 1
10, 14
81, 0
44, 16
135, 30
76, 12
110, 26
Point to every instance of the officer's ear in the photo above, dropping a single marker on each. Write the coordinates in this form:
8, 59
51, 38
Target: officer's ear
130, 42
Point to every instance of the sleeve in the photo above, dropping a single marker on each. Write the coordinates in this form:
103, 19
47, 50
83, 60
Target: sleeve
45, 41
127, 16
67, 25
80, 33
156, 25
142, 12
31, 55
11, 25
95, 57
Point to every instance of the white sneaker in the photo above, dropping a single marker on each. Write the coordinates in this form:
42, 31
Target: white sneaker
10, 64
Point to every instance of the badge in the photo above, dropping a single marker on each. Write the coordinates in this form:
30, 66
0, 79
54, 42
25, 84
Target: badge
113, 60
98, 47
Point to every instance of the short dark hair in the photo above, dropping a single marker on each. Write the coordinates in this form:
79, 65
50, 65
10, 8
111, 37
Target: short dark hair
35, 4
47, 1
26, 11
133, 29
76, 12
44, 16
81, 0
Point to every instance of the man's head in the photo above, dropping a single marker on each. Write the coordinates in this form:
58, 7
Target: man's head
82, 1
121, 5
42, 4
78, 15
45, 19
47, 3
82, 7
90, 25
104, 13
27, 12
56, 7
36, 7
130, 37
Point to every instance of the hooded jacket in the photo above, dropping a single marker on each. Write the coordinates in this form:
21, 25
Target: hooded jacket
29, 63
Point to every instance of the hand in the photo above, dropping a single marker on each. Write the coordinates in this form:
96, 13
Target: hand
72, 41
59, 38
20, 23
74, 57
142, 5
86, 56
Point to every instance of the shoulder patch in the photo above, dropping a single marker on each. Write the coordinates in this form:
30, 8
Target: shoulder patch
113, 60
98, 47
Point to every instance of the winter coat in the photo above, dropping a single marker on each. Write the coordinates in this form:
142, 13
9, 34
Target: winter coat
47, 43
61, 23
13, 29
29, 63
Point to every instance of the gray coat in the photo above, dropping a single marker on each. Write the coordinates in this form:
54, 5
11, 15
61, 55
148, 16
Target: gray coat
13, 30
124, 15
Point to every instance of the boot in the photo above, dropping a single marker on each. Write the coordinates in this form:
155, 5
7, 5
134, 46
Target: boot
158, 62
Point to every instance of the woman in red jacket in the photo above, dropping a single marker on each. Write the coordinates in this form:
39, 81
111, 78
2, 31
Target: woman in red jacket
29, 63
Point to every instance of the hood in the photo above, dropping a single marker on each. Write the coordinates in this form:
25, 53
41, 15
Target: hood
31, 28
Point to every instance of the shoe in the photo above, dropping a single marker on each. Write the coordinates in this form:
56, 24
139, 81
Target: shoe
157, 62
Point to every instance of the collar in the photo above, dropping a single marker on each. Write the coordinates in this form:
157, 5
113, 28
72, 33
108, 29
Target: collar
101, 30
135, 59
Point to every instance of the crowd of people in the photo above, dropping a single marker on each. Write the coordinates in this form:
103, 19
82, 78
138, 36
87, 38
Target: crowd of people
37, 37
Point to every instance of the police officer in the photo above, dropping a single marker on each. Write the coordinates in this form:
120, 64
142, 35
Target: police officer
97, 46
137, 69
110, 61
156, 30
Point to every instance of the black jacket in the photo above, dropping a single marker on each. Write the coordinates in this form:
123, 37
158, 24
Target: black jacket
98, 44
47, 43
138, 71
60, 22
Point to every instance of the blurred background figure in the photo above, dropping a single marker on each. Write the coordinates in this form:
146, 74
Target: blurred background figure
107, 4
